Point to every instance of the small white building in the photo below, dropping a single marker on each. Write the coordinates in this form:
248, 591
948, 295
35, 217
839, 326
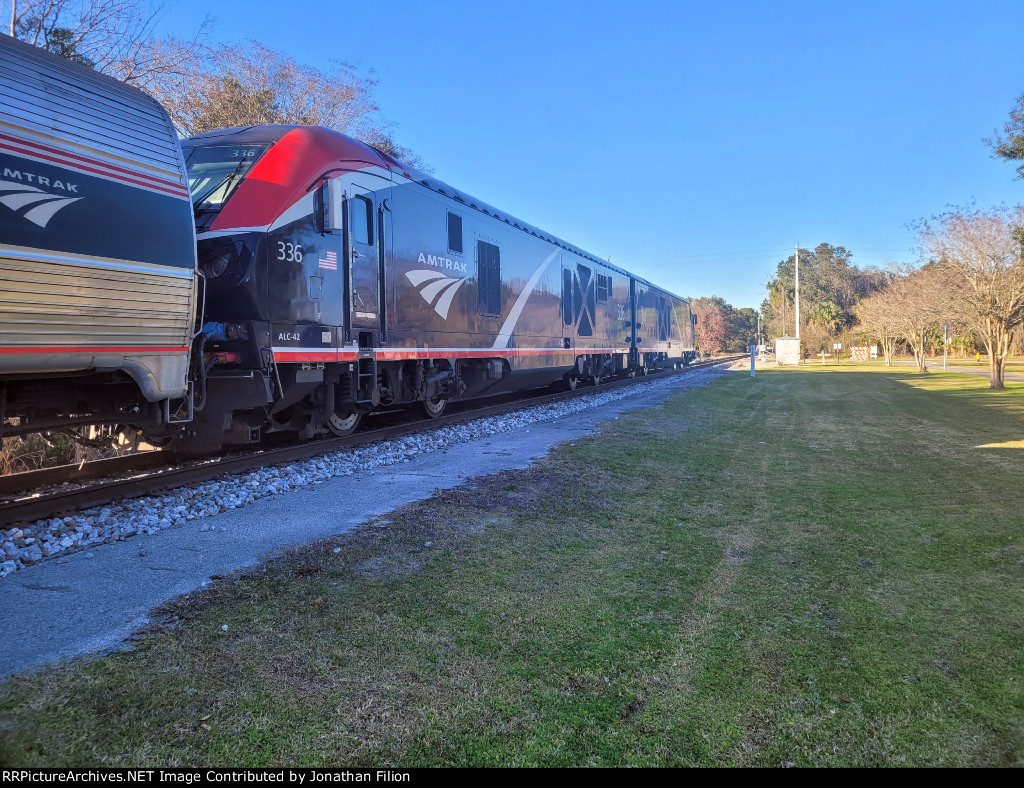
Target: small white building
787, 351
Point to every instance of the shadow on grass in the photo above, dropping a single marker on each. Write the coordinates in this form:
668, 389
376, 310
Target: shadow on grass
952, 398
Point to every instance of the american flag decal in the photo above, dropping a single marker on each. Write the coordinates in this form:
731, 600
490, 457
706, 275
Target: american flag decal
329, 260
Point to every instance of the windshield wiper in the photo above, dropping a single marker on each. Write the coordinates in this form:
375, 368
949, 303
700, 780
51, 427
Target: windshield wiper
226, 179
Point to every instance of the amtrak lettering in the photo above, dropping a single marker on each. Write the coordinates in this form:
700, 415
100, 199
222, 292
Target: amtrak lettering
40, 180
441, 262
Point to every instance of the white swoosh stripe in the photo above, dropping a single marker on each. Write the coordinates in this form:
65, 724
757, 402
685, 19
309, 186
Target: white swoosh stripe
302, 207
445, 301
430, 292
513, 317
231, 231
16, 201
43, 213
421, 276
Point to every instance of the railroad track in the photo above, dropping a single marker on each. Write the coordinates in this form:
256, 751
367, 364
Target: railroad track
30, 496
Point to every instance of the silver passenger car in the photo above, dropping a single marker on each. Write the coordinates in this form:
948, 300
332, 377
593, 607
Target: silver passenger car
98, 283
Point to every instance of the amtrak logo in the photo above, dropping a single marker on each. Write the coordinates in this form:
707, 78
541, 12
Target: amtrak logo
31, 203
437, 289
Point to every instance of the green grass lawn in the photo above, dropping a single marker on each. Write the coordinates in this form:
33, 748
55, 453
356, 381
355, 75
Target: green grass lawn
807, 568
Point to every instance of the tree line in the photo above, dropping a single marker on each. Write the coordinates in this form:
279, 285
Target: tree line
967, 290
721, 327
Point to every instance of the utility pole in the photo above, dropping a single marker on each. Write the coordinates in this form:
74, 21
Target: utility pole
797, 289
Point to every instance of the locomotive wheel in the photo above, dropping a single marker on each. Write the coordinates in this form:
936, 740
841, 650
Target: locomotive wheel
434, 410
343, 425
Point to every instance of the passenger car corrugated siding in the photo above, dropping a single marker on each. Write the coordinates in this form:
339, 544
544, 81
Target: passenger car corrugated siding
62, 100
62, 304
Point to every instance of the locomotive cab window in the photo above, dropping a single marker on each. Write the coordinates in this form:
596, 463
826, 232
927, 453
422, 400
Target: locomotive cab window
361, 218
214, 172
454, 233
488, 258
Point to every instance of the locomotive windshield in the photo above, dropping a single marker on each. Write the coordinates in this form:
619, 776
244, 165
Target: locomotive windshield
214, 171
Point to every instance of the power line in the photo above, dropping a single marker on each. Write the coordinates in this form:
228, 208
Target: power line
682, 258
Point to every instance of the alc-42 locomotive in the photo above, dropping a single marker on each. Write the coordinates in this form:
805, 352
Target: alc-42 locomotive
340, 280
332, 280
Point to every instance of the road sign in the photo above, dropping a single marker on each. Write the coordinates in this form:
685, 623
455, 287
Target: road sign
945, 344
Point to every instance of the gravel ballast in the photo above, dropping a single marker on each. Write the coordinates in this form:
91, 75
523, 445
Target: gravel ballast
53, 538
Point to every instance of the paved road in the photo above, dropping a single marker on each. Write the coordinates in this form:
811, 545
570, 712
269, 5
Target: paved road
980, 370
54, 610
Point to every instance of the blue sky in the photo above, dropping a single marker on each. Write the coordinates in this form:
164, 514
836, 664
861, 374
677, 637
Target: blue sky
692, 142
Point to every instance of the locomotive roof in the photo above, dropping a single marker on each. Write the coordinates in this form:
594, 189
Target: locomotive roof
348, 149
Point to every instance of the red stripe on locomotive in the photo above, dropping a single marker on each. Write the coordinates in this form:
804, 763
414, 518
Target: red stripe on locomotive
271, 187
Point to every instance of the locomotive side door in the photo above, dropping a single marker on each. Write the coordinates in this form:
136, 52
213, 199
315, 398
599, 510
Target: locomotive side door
634, 355
642, 321
568, 316
364, 254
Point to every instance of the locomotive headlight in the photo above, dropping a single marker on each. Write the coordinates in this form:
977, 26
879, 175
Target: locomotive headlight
217, 265
217, 257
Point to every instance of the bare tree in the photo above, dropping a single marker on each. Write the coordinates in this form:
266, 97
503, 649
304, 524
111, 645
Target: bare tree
116, 37
915, 304
250, 84
979, 257
877, 314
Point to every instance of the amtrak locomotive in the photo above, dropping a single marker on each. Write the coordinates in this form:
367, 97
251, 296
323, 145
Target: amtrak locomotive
340, 280
271, 279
